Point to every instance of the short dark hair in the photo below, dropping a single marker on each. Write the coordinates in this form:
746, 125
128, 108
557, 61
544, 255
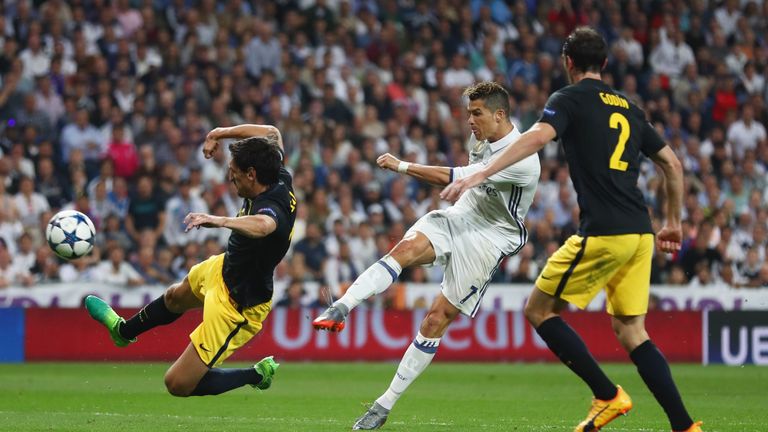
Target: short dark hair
492, 94
262, 154
587, 49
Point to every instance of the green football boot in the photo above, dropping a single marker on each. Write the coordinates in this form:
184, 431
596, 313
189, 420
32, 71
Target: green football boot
103, 313
266, 368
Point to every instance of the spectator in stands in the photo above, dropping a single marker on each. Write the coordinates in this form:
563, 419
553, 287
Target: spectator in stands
48, 101
49, 184
726, 274
363, 243
79, 270
30, 115
20, 164
149, 270
123, 153
115, 270
762, 280
313, 249
703, 277
112, 235
179, 206
29, 203
745, 134
10, 220
99, 205
12, 273
522, 268
340, 271
80, 134
34, 58
145, 210
293, 296
24, 257
263, 52
749, 271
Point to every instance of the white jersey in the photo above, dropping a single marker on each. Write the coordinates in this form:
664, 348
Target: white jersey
497, 208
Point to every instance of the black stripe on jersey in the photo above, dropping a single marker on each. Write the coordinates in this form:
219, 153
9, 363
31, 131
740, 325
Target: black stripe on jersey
569, 272
485, 286
226, 342
514, 202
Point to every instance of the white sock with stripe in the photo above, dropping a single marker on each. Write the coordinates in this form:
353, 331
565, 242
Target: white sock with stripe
374, 280
416, 358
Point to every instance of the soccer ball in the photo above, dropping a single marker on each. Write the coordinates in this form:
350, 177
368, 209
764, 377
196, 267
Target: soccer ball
70, 234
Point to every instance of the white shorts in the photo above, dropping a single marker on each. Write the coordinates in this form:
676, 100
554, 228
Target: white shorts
468, 260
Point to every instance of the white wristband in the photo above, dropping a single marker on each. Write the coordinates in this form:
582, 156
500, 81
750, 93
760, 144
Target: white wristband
402, 167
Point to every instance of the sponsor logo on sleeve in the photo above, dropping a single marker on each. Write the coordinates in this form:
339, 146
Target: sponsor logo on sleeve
266, 210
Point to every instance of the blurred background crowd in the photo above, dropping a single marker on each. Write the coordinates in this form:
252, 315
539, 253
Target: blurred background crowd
104, 106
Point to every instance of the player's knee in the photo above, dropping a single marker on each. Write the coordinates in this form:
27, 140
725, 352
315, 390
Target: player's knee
533, 315
176, 386
630, 336
618, 328
434, 324
407, 250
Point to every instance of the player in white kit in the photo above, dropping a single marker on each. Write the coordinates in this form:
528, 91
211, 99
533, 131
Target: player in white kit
469, 239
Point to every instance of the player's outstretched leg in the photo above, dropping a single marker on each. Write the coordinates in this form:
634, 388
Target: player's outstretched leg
603, 412
374, 280
99, 310
374, 418
220, 380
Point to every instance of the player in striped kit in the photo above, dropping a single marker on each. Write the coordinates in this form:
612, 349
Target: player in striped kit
469, 239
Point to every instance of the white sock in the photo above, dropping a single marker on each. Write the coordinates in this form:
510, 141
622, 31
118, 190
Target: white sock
374, 280
416, 358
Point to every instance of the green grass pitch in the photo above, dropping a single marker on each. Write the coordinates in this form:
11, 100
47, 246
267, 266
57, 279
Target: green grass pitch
316, 397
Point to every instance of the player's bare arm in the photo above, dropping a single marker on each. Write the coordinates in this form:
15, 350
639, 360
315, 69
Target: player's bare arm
529, 143
253, 226
669, 238
239, 132
435, 175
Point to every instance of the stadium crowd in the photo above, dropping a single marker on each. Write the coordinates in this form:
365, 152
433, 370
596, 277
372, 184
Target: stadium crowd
104, 106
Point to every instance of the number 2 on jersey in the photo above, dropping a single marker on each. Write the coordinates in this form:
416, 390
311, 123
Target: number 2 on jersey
618, 121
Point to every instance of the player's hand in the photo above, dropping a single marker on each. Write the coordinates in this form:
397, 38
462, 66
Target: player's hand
197, 220
669, 239
387, 161
453, 191
211, 143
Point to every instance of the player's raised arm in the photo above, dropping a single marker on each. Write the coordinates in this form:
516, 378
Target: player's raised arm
527, 144
239, 132
435, 175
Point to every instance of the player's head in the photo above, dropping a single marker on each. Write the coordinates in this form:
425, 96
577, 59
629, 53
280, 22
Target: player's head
255, 162
584, 51
488, 109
